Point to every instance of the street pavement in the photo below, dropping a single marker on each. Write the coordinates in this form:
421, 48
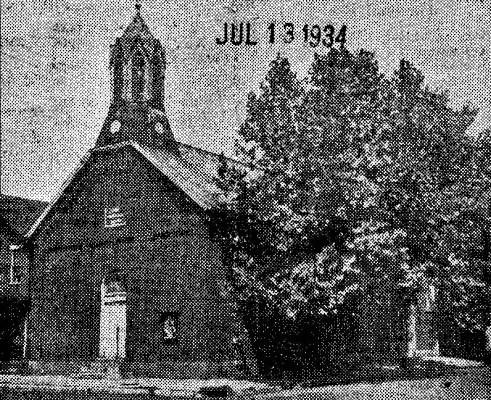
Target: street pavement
471, 383
179, 388
467, 384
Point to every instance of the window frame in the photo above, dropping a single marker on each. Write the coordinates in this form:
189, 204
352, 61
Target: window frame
163, 317
113, 296
12, 275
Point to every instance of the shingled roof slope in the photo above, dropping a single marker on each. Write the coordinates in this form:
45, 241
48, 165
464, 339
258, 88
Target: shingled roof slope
198, 185
207, 161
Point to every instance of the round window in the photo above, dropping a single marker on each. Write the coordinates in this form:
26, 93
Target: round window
115, 126
159, 128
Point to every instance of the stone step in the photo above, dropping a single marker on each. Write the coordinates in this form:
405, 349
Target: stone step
102, 368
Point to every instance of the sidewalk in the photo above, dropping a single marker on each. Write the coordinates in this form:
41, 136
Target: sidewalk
375, 377
464, 386
164, 387
455, 362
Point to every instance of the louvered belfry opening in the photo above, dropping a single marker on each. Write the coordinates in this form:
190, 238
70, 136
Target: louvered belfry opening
138, 77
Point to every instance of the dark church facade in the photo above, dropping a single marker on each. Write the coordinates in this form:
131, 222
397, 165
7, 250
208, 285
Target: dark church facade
124, 268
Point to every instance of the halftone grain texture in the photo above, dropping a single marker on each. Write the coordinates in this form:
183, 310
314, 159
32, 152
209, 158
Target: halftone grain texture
344, 238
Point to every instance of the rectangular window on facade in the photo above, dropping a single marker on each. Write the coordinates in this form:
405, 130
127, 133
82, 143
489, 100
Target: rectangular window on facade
113, 217
427, 299
15, 269
169, 323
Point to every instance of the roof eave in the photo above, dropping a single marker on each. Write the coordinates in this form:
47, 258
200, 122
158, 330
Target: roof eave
34, 228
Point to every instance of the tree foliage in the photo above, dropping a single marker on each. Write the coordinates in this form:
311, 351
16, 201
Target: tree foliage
357, 178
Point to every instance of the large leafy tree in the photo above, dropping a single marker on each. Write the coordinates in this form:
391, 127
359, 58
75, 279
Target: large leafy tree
356, 179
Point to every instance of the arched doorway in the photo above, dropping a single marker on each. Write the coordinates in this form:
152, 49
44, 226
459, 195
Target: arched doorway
112, 343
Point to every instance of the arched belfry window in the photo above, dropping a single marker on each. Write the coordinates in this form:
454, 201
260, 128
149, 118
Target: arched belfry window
137, 76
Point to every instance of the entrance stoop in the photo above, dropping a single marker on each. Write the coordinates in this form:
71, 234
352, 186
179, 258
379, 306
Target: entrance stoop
100, 368
103, 368
116, 369
184, 370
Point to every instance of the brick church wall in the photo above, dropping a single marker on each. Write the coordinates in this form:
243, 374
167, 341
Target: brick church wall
164, 252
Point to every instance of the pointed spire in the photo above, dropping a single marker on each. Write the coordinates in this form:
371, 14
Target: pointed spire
137, 27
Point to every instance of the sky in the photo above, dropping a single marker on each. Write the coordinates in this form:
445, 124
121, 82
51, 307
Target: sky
55, 77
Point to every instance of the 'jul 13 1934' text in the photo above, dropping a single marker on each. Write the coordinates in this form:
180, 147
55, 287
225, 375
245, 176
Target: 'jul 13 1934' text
241, 34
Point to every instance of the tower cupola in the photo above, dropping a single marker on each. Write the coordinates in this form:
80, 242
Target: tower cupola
137, 68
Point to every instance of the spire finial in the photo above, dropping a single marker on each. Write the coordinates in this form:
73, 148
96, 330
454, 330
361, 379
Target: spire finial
138, 6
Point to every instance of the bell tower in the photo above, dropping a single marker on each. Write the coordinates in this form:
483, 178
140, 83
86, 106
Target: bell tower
137, 65
137, 69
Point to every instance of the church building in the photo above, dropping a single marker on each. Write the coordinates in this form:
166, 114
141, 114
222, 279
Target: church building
125, 270
122, 270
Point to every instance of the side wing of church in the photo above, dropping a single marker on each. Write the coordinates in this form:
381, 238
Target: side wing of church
124, 268
16, 216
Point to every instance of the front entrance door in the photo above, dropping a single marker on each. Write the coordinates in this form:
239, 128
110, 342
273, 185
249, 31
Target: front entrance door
112, 343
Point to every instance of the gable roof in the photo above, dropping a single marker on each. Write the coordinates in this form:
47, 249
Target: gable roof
18, 214
194, 182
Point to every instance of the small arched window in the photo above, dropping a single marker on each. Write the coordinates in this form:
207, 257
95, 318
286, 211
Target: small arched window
138, 76
113, 287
